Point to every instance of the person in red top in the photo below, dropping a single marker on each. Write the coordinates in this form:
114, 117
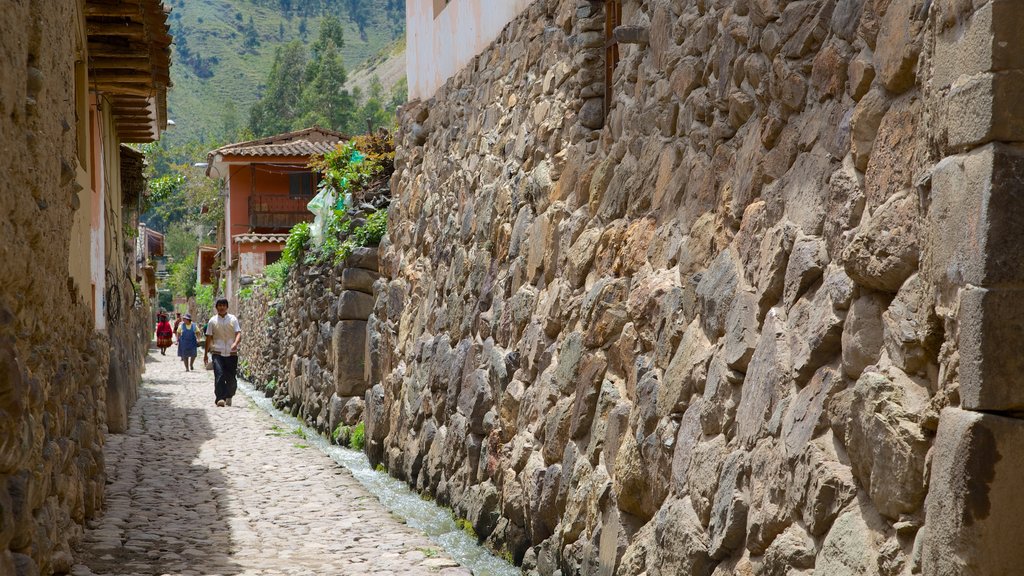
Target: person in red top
164, 333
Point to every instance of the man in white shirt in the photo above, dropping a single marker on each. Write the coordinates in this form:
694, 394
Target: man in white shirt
223, 334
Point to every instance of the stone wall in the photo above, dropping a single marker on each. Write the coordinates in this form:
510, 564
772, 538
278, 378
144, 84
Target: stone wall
307, 348
718, 330
53, 365
60, 378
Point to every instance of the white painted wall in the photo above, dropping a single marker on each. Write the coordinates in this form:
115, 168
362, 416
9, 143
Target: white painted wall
439, 47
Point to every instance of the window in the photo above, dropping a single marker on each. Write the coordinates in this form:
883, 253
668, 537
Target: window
301, 184
272, 257
439, 6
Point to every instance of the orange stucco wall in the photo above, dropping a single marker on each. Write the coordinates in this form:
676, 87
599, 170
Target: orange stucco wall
271, 175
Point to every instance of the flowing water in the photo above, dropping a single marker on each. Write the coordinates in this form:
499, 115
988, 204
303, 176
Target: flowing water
424, 515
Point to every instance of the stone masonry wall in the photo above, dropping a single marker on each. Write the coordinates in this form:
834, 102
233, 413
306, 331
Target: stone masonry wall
718, 331
307, 348
53, 365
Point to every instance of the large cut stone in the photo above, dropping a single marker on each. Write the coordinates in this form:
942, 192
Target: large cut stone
358, 279
991, 333
975, 501
348, 349
363, 258
354, 305
984, 108
981, 42
975, 218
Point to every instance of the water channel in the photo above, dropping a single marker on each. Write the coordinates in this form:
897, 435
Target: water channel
424, 515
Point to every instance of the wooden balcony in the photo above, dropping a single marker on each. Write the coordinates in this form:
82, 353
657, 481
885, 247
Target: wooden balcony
276, 212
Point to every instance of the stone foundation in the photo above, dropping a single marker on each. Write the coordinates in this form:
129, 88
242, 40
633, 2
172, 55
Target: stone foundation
718, 330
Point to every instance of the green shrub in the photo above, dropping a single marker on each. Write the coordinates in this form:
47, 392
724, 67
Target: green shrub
274, 278
298, 238
466, 526
358, 438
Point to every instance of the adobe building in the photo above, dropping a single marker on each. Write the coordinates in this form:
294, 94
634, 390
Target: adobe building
268, 183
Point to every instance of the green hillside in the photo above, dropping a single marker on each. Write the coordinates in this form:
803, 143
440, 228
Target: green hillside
224, 49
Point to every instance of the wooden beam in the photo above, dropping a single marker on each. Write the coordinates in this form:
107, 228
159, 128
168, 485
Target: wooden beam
119, 63
114, 49
126, 29
119, 9
121, 88
128, 77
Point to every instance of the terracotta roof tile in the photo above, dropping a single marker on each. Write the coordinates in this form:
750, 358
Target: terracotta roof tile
260, 238
306, 142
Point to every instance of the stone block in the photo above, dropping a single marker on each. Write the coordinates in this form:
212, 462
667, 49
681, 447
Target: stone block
348, 345
353, 305
897, 47
984, 108
366, 258
884, 252
358, 279
983, 42
974, 502
991, 332
975, 218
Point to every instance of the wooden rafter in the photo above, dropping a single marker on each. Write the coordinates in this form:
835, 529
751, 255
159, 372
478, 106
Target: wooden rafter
129, 62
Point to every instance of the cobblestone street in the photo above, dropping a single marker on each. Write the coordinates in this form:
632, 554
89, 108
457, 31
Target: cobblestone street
197, 489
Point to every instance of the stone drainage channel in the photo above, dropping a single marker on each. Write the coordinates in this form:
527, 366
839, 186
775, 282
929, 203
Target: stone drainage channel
424, 515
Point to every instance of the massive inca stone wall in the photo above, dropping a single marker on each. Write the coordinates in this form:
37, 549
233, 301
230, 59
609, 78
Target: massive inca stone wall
698, 337
53, 364
307, 349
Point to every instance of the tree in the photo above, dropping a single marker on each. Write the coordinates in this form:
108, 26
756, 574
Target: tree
360, 12
252, 37
372, 113
278, 108
325, 101
229, 122
331, 32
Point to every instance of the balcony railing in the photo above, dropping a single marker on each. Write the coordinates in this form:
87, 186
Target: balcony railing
277, 212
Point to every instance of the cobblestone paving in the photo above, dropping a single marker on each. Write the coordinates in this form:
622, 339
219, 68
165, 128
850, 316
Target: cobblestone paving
194, 489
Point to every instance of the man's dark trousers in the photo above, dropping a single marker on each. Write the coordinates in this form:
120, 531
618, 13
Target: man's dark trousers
224, 380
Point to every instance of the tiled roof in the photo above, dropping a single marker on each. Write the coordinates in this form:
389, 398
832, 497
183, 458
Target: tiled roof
261, 238
306, 142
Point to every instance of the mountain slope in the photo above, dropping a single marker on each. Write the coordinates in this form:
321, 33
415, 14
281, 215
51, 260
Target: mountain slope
224, 48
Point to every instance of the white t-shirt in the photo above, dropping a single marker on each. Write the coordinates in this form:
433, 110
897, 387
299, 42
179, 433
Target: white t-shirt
223, 331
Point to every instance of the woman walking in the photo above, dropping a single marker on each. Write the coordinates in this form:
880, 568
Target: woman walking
188, 342
164, 333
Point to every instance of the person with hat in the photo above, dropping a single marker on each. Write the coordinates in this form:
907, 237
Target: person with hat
164, 333
188, 342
